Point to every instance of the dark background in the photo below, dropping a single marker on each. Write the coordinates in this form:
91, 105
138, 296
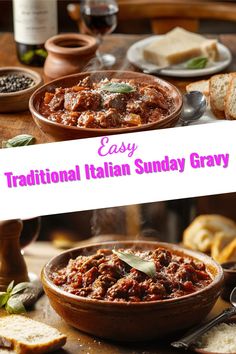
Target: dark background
65, 24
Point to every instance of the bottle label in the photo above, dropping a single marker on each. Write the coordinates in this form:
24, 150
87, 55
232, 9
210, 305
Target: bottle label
34, 20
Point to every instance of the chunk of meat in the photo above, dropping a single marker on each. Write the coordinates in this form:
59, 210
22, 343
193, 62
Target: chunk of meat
87, 119
154, 115
57, 101
110, 119
153, 98
82, 100
117, 101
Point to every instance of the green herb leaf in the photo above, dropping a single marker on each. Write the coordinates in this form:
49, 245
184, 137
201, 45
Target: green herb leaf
20, 287
41, 52
197, 63
14, 305
118, 87
27, 57
147, 267
3, 298
10, 286
19, 140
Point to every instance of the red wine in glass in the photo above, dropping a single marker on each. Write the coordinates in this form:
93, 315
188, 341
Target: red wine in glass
100, 18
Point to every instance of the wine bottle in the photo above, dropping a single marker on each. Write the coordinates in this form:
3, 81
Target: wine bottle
34, 22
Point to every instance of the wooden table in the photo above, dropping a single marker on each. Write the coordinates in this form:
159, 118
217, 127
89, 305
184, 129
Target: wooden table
36, 256
19, 123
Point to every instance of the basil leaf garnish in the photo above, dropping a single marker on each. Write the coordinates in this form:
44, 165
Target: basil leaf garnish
197, 63
14, 305
3, 298
118, 87
20, 287
147, 267
10, 286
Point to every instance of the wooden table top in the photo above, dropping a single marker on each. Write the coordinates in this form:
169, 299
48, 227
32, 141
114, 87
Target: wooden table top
36, 256
22, 122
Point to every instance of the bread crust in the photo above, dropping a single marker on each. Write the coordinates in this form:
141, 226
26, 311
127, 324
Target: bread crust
220, 114
228, 116
189, 86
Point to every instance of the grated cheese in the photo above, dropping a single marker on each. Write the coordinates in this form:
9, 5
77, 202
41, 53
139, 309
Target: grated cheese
220, 339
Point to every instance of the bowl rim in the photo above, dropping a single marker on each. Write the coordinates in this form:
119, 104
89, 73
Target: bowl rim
105, 131
28, 72
228, 270
53, 44
56, 289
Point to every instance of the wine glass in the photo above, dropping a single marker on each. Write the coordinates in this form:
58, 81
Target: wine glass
100, 18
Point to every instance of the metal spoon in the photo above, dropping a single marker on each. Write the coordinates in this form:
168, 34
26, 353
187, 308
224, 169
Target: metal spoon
194, 106
192, 336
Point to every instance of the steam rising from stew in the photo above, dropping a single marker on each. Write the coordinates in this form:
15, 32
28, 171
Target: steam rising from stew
103, 104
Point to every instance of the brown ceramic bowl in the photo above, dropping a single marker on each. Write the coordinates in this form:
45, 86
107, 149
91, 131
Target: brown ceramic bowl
132, 321
63, 132
19, 100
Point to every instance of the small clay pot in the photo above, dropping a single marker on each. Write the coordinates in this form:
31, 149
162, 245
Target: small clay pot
68, 54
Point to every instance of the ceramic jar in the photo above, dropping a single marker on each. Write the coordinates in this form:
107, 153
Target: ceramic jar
68, 54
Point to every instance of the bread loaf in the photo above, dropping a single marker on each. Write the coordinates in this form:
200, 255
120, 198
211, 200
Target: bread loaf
230, 103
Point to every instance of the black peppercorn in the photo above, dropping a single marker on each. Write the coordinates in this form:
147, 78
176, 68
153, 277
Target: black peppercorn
13, 82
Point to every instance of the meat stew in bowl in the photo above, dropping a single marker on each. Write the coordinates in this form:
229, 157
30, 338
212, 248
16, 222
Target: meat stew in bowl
107, 104
116, 276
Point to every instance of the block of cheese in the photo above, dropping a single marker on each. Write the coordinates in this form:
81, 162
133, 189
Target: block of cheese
178, 46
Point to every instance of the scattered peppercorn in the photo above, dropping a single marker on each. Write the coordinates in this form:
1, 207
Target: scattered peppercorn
13, 82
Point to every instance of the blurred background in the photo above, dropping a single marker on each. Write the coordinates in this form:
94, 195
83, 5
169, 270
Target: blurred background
66, 24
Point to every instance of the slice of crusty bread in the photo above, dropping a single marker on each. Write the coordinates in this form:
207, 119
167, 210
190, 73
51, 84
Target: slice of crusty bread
230, 102
200, 233
26, 336
177, 46
220, 241
202, 86
219, 85
228, 254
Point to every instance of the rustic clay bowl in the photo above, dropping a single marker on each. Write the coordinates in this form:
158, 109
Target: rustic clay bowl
19, 100
132, 321
68, 54
62, 132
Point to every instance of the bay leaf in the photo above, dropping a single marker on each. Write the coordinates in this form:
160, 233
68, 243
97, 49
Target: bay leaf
147, 267
118, 87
